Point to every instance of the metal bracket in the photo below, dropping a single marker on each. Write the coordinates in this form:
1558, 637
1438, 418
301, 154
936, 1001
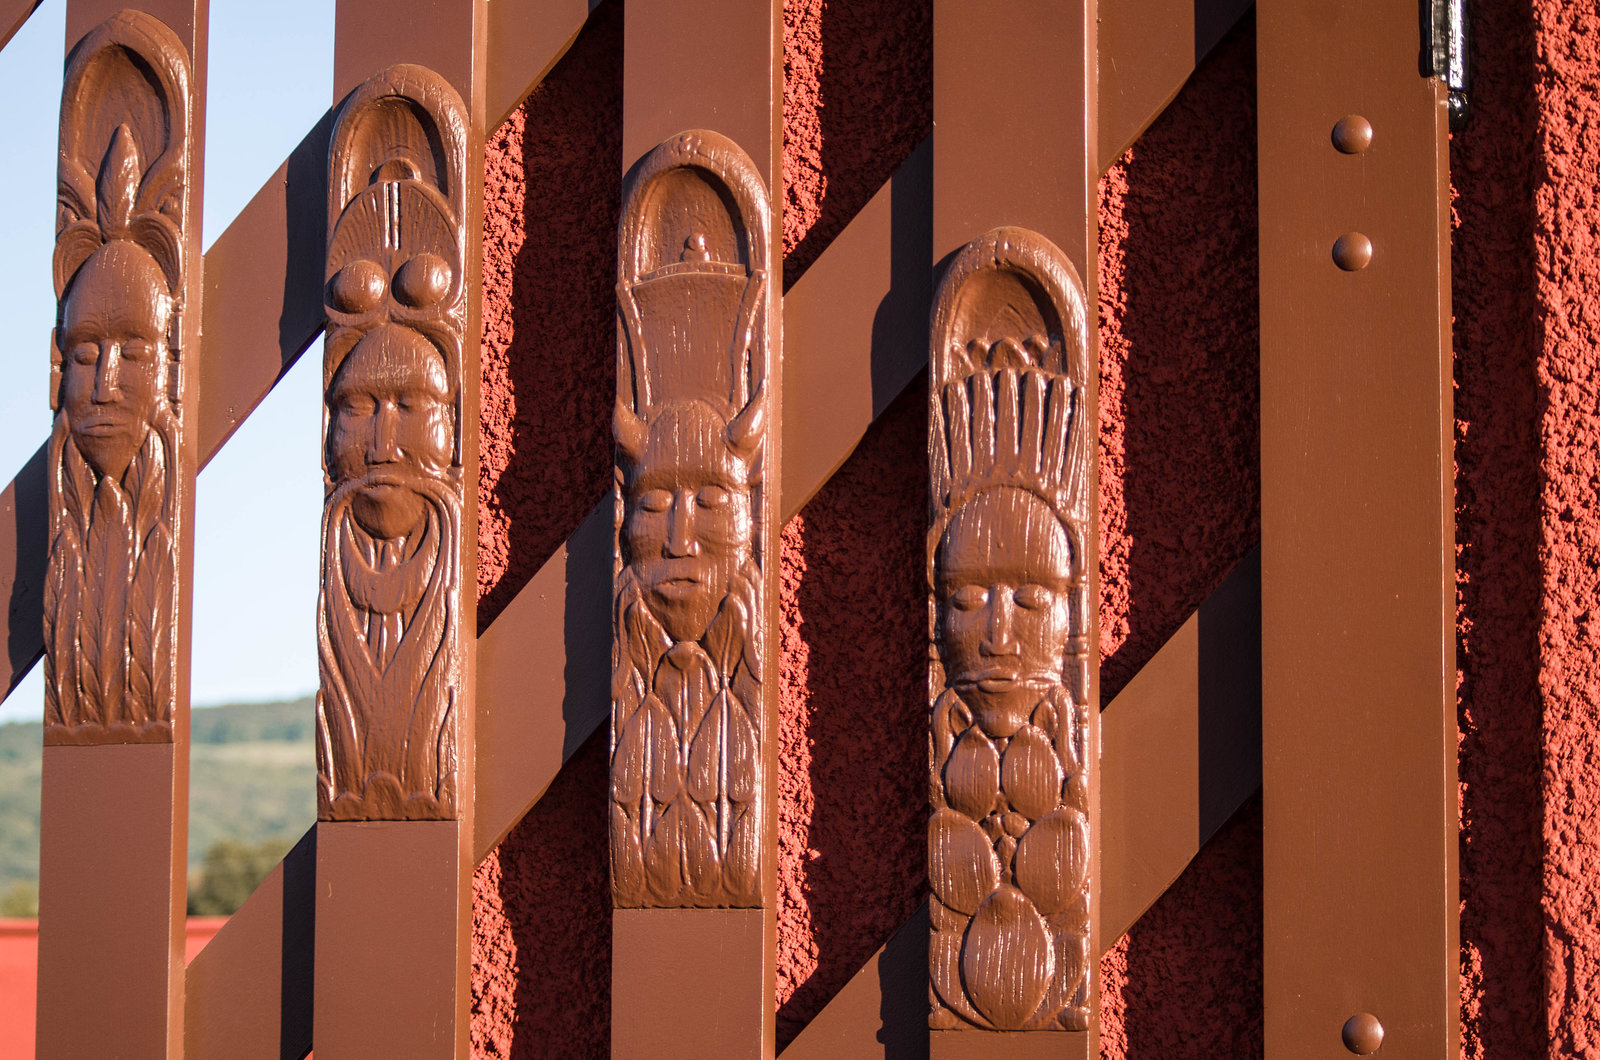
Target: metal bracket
1445, 51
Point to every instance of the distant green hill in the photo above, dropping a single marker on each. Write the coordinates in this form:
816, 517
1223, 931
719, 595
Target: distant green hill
252, 783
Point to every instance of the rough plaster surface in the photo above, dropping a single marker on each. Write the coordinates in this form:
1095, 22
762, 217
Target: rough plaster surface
1496, 295
1567, 246
1178, 507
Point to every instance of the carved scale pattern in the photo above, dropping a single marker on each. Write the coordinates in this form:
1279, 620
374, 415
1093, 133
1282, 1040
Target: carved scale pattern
1009, 840
688, 726
115, 487
389, 618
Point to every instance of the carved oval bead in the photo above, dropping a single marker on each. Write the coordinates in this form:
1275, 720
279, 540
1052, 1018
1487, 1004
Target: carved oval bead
972, 775
666, 771
705, 755
1031, 773
422, 281
962, 868
1053, 860
1007, 960
358, 287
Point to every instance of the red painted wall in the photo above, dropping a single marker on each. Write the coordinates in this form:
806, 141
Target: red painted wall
1179, 506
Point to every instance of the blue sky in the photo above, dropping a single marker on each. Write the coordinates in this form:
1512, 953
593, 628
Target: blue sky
258, 503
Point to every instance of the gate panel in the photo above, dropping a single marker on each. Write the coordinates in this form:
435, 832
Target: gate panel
1357, 558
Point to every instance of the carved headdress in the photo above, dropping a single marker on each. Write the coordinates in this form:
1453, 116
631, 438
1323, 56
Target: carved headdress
1010, 369
692, 293
123, 168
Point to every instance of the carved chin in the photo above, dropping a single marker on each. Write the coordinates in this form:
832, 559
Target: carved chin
109, 448
685, 609
389, 512
1001, 707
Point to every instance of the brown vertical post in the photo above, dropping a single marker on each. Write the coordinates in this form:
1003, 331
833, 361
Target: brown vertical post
1357, 554
1014, 149
120, 466
396, 632
694, 733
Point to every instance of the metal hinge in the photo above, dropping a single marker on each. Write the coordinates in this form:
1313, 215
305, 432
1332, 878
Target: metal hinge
1444, 51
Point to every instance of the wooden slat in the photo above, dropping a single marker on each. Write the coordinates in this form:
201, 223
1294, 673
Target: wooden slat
693, 982
1357, 542
1182, 754
1148, 49
393, 940
113, 830
13, 15
1022, 152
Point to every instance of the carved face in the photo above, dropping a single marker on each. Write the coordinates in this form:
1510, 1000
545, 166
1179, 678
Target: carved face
390, 419
114, 354
1004, 573
688, 525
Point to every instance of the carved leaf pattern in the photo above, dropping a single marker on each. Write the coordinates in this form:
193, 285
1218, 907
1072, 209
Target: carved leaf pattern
685, 759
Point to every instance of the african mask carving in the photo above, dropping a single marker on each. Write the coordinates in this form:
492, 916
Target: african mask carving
389, 619
1011, 756
116, 503
688, 727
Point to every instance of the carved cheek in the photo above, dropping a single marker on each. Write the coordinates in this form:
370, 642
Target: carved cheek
428, 435
646, 533
348, 437
962, 631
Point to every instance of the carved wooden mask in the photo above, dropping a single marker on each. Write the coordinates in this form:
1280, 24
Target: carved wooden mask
1012, 755
693, 530
389, 620
115, 488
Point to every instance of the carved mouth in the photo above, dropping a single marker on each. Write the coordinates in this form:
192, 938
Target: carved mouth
100, 425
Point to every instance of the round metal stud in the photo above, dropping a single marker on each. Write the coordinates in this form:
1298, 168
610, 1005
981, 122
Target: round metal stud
1352, 134
1352, 251
1362, 1034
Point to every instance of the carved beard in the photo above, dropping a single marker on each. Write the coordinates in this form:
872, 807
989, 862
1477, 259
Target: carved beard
386, 638
686, 754
1009, 948
109, 665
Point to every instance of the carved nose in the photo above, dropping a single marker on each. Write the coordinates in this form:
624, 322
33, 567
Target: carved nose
105, 373
680, 529
1000, 638
385, 447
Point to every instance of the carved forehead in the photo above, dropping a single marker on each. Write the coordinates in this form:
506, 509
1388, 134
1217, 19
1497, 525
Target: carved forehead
1005, 535
121, 285
393, 360
687, 444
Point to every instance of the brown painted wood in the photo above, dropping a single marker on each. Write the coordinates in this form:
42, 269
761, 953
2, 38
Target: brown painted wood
1147, 50
1046, 185
395, 640
389, 908
111, 901
693, 977
733, 92
249, 992
1181, 754
1357, 554
1181, 749
13, 15
526, 40
119, 503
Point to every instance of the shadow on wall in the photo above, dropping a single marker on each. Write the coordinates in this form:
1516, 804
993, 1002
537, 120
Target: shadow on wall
1180, 506
552, 195
1495, 169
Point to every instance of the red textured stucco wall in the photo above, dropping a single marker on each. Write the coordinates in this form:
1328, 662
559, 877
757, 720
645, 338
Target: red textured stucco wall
1179, 506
